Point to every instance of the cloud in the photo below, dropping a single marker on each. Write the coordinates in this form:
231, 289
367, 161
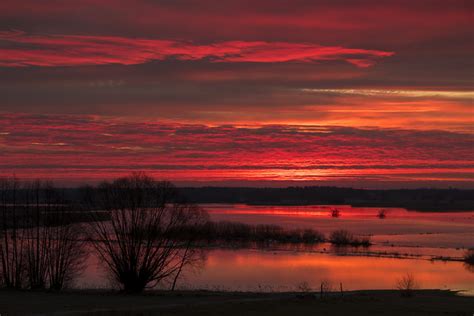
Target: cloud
81, 148
467, 95
242, 63
20, 49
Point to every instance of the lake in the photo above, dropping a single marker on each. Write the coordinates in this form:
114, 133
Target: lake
404, 242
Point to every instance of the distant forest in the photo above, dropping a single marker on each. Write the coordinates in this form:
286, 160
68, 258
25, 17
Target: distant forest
439, 200
413, 199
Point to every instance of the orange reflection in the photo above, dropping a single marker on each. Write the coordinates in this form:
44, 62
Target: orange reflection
250, 270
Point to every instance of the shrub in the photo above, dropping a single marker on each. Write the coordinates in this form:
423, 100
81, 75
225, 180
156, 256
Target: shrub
382, 213
325, 288
41, 242
225, 231
469, 257
407, 284
341, 237
311, 236
345, 238
304, 287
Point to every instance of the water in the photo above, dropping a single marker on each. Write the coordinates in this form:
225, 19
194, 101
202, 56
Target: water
404, 242
400, 227
250, 270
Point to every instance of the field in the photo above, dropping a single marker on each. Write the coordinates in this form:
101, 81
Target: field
426, 302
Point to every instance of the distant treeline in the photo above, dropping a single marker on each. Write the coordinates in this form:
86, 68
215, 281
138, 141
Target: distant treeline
413, 199
438, 200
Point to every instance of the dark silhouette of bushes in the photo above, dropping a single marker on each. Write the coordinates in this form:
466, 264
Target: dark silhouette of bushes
407, 285
382, 214
12, 249
469, 257
345, 238
335, 213
40, 244
227, 232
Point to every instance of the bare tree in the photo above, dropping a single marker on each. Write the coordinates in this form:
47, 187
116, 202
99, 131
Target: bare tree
11, 244
145, 240
65, 253
37, 199
40, 244
192, 257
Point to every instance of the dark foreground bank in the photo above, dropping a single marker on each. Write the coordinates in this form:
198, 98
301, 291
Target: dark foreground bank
425, 302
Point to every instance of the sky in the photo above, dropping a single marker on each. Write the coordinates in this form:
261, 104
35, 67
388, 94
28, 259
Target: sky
361, 93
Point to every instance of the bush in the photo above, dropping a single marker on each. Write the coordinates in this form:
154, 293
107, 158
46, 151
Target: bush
469, 257
225, 231
341, 237
407, 284
382, 213
312, 236
304, 287
345, 238
41, 244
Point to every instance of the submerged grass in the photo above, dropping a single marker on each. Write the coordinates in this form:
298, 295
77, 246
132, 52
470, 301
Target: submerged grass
229, 232
225, 231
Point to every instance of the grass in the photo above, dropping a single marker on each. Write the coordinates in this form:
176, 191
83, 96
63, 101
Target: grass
377, 302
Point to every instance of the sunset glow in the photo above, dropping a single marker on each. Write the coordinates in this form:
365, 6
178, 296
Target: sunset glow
346, 93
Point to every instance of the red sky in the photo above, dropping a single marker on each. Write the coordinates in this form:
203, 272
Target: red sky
355, 93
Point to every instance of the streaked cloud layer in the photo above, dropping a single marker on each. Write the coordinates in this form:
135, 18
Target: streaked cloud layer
78, 148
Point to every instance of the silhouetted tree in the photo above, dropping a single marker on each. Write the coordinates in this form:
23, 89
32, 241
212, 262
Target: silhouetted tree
138, 245
41, 245
37, 200
12, 241
66, 254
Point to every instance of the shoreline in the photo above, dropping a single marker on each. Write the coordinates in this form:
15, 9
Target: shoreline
201, 302
431, 208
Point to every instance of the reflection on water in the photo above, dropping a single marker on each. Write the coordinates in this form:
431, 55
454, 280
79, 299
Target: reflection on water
249, 270
403, 243
400, 227
326, 210
257, 270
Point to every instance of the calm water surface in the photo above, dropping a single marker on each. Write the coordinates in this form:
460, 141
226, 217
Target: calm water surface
405, 242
